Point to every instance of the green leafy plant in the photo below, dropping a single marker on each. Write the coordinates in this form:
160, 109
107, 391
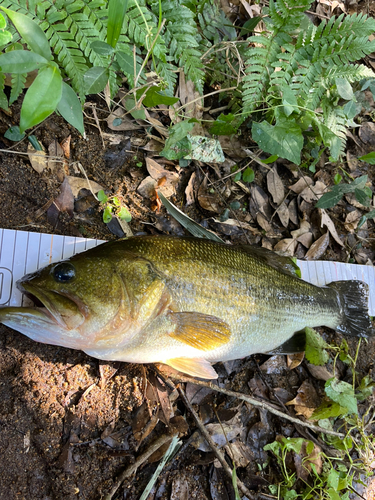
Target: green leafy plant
113, 206
362, 193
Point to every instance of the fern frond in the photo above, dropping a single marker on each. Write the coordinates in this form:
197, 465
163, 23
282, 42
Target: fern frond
181, 38
335, 120
3, 97
17, 85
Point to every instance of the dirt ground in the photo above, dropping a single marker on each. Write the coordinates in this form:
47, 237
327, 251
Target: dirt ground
67, 421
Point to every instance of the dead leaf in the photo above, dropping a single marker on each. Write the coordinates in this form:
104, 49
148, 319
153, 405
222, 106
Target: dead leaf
318, 248
259, 202
294, 360
221, 433
156, 124
78, 183
367, 133
313, 193
55, 150
305, 239
352, 220
65, 146
327, 221
275, 186
123, 122
180, 489
292, 209
189, 191
157, 173
301, 184
306, 401
283, 213
303, 461
63, 203
208, 201
37, 159
286, 246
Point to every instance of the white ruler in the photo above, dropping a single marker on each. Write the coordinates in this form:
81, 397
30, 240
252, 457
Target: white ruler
22, 253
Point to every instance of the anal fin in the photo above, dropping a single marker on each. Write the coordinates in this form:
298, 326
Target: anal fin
193, 366
202, 331
297, 343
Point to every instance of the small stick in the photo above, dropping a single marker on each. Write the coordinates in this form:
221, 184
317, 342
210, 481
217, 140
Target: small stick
213, 446
140, 460
255, 402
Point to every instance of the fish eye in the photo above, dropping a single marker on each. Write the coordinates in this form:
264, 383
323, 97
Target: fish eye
64, 272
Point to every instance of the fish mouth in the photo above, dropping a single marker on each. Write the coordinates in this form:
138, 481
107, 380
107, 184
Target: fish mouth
66, 312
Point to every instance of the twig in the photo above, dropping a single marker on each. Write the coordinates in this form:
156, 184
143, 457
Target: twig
255, 402
213, 446
140, 460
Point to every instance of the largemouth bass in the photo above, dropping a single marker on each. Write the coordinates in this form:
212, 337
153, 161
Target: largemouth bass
184, 302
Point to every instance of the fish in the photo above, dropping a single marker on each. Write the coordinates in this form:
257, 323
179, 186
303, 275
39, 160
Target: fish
182, 301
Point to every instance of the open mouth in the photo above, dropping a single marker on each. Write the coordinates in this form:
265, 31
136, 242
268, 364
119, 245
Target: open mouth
63, 310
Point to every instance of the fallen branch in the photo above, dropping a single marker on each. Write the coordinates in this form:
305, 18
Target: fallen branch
255, 402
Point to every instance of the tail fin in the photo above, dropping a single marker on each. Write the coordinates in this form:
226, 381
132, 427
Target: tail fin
353, 299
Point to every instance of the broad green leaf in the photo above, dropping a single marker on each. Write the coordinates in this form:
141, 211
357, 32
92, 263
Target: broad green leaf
270, 159
333, 495
180, 131
328, 409
177, 150
95, 79
102, 48
249, 26
369, 158
315, 351
293, 444
32, 33
116, 13
362, 196
284, 139
248, 175
70, 108
337, 179
42, 97
124, 214
223, 125
102, 197
107, 214
289, 101
352, 108
14, 134
137, 114
333, 479
126, 62
275, 447
344, 88
342, 393
3, 23
193, 227
21, 61
5, 37
154, 97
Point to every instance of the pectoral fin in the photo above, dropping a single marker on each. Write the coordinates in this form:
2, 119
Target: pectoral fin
193, 366
202, 331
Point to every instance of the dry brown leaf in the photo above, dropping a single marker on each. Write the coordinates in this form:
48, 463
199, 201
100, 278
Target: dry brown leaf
327, 221
158, 172
301, 184
126, 122
286, 246
37, 159
306, 401
156, 124
65, 146
294, 360
189, 191
352, 220
313, 193
292, 209
180, 489
275, 186
55, 150
193, 102
283, 213
63, 203
305, 239
303, 461
78, 183
318, 248
259, 202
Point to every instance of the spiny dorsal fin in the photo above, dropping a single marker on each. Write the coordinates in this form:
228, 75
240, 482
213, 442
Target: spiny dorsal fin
193, 366
280, 262
202, 331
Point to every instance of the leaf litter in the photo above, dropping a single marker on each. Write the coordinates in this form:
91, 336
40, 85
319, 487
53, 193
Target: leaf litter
270, 214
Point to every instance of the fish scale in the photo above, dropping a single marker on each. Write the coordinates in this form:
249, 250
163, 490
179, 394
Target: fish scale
185, 302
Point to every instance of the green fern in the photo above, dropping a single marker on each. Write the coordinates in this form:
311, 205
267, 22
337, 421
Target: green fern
181, 39
294, 67
17, 85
